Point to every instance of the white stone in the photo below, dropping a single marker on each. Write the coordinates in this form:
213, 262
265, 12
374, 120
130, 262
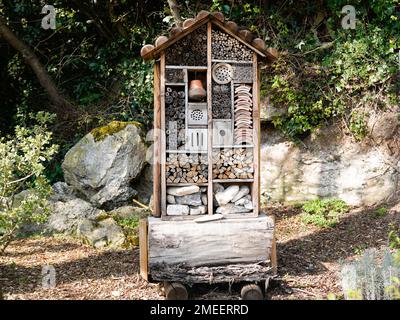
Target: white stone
182, 191
190, 199
231, 208
243, 191
171, 199
194, 211
227, 195
204, 199
177, 210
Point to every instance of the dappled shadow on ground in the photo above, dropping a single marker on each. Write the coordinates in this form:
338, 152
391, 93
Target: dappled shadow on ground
355, 232
81, 272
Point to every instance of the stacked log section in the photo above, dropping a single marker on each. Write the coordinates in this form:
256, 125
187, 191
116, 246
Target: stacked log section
175, 117
225, 47
186, 168
191, 50
234, 163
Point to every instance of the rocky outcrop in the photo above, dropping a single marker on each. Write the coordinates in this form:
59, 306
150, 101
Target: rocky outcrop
102, 165
328, 165
66, 216
105, 233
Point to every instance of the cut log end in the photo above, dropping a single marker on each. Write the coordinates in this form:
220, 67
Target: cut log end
160, 40
175, 291
232, 26
251, 292
219, 16
174, 31
202, 14
188, 22
246, 35
146, 49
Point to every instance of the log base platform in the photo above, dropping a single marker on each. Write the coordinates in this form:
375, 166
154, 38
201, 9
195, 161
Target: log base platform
227, 250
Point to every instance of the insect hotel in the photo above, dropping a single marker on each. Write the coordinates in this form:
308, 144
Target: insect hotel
206, 225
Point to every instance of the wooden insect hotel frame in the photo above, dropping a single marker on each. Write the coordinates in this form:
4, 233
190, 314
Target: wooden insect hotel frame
206, 224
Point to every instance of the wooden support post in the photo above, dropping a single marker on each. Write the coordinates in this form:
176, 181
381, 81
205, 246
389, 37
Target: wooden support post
175, 291
256, 136
163, 137
210, 125
143, 249
157, 143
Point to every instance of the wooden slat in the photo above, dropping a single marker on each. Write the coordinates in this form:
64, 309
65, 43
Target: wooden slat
143, 249
256, 135
163, 137
157, 143
274, 258
210, 125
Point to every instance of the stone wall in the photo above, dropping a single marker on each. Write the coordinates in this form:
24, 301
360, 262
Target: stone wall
328, 165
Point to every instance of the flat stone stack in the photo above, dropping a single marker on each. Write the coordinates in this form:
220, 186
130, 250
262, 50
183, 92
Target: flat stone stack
233, 199
187, 200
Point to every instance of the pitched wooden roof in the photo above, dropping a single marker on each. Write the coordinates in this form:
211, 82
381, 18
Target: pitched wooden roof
244, 36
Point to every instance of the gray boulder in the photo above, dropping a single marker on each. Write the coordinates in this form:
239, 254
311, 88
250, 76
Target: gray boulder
106, 233
102, 165
191, 199
66, 216
127, 212
62, 192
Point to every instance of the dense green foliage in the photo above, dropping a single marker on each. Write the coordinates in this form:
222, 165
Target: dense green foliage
323, 213
324, 71
22, 166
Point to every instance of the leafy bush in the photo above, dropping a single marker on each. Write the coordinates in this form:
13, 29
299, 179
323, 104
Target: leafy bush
23, 185
323, 213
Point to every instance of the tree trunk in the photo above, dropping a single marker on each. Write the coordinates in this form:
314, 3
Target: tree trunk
62, 106
175, 12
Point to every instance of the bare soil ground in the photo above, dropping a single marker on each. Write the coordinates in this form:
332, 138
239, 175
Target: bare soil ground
308, 260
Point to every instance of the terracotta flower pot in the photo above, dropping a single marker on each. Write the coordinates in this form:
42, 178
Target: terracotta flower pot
196, 90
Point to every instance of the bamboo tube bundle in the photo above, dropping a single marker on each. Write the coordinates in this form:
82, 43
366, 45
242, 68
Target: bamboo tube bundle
222, 101
233, 164
175, 115
190, 50
225, 47
186, 168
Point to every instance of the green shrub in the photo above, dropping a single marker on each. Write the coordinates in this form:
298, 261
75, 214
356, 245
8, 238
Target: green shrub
22, 166
381, 212
323, 213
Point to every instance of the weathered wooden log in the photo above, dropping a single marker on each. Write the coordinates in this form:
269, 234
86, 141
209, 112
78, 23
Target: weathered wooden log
146, 49
160, 40
175, 291
251, 292
212, 274
189, 244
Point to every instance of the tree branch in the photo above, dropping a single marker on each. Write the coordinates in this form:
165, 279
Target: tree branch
62, 106
175, 12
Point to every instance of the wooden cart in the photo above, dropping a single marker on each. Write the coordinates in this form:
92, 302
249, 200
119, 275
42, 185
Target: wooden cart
206, 225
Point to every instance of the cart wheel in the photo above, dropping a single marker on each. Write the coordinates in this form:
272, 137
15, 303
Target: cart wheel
251, 292
175, 291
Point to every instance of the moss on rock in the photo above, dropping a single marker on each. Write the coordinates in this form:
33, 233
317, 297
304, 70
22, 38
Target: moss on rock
113, 127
